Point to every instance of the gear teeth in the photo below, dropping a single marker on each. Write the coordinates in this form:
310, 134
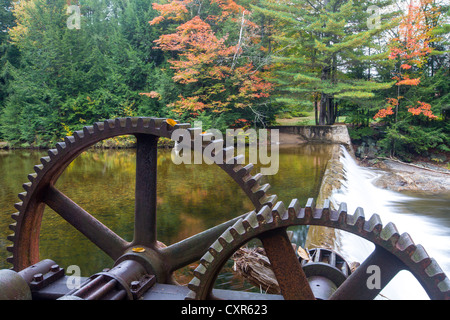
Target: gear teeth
38, 168
405, 244
390, 234
60, 146
15, 215
194, 285
98, 127
208, 136
12, 226
268, 200
264, 215
69, 140
237, 229
11, 237
10, 249
242, 171
164, 129
45, 160
226, 238
207, 258
27, 186
88, 131
109, 124
339, 216
52, 153
18, 205
181, 126
374, 224
435, 271
294, 209
78, 135
250, 221
131, 122
239, 160
444, 286
10, 260
309, 208
215, 145
357, 219
199, 271
22, 195
120, 123
260, 191
251, 181
228, 155
420, 256
194, 132
32, 177
216, 248
323, 214
279, 212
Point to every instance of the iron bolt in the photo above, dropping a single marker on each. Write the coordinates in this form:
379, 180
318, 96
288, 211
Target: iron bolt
54, 268
134, 285
38, 277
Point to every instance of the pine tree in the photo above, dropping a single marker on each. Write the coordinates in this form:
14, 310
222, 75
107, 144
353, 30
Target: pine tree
317, 45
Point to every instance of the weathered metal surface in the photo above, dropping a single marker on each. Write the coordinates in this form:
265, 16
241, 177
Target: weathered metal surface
13, 286
394, 252
325, 271
288, 271
41, 192
127, 280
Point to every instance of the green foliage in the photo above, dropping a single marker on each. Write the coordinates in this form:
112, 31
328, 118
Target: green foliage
319, 47
403, 139
357, 133
54, 80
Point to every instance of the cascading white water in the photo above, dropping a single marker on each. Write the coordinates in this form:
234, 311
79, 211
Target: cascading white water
357, 190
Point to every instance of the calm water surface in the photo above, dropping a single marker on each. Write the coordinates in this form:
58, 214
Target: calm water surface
190, 198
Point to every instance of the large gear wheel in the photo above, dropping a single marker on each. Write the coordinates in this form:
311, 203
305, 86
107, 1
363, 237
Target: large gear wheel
41, 191
393, 252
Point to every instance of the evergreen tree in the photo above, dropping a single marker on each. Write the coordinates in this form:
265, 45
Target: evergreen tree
318, 45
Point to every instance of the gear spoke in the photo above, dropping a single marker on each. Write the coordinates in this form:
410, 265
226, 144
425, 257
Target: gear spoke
288, 271
94, 230
191, 249
145, 194
362, 283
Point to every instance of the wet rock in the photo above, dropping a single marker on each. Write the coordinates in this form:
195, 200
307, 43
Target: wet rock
397, 176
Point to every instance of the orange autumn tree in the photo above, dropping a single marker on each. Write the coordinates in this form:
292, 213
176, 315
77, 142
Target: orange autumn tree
410, 49
214, 69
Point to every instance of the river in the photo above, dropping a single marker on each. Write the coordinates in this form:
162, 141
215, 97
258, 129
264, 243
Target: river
424, 216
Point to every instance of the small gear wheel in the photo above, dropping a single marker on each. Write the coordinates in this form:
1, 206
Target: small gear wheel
393, 252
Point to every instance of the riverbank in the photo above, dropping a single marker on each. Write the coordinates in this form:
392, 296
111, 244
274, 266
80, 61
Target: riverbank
393, 175
399, 176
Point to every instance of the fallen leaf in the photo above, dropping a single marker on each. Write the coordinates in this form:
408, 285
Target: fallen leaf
304, 254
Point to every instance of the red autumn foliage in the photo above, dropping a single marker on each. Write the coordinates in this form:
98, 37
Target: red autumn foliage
226, 78
411, 48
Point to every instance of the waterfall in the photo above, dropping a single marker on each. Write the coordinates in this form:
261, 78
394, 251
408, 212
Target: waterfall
357, 190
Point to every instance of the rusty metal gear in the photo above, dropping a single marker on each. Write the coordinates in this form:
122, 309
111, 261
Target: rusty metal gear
393, 252
41, 191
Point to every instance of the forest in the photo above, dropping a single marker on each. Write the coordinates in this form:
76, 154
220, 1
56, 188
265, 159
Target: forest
382, 65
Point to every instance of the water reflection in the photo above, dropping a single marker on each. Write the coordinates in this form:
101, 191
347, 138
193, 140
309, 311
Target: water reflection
190, 198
